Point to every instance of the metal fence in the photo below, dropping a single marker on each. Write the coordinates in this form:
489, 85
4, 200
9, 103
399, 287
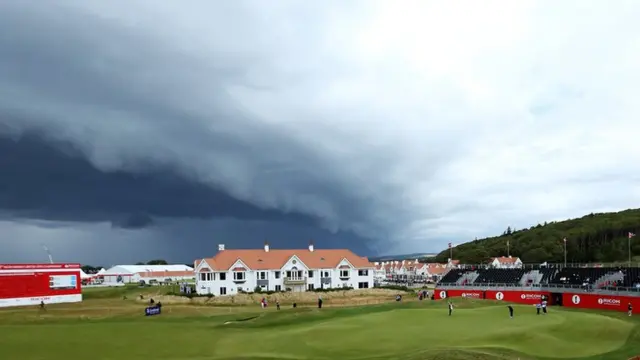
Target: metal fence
624, 264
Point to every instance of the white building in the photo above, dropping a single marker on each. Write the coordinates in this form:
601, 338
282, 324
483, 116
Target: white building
506, 262
231, 271
148, 273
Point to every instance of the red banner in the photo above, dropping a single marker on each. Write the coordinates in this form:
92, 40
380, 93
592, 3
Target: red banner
521, 297
443, 294
601, 302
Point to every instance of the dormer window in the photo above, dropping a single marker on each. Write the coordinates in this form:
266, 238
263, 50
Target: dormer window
344, 274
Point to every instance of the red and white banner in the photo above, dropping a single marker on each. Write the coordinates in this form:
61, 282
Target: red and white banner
575, 300
602, 302
443, 294
28, 284
520, 297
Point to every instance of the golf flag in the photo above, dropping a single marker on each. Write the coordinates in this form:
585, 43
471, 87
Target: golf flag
450, 246
631, 235
565, 240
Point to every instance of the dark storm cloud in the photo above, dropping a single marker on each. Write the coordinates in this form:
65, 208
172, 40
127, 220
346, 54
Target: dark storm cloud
130, 104
55, 182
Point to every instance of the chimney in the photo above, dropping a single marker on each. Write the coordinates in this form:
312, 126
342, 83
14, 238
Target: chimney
221, 247
266, 246
311, 246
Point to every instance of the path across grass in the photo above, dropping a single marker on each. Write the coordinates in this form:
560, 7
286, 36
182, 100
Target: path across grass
101, 330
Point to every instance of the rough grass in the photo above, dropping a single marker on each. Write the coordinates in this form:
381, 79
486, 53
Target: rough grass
111, 328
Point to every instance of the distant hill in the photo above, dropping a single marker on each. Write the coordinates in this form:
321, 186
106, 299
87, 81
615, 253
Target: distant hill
592, 238
402, 257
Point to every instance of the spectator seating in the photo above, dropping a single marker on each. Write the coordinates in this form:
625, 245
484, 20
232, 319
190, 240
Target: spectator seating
631, 277
580, 276
547, 274
452, 276
499, 276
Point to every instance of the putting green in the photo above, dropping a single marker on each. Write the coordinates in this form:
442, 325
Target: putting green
418, 330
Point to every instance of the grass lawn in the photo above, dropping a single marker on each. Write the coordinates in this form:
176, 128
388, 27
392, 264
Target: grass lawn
102, 328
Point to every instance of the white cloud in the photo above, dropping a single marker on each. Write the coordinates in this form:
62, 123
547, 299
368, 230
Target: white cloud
435, 120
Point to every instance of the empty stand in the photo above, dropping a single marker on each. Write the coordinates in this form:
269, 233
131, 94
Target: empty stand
581, 276
631, 277
500, 276
452, 277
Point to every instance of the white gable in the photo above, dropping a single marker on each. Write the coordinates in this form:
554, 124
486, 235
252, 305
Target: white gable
294, 262
239, 264
344, 262
204, 266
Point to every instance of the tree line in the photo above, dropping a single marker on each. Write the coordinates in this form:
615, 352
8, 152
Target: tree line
601, 237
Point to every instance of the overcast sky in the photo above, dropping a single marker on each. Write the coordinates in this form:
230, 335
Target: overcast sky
145, 129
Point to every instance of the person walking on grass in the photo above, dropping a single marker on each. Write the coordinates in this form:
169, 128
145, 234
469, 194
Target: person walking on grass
450, 308
510, 311
629, 309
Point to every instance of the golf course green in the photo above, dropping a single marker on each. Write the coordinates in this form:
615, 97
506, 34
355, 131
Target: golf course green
101, 329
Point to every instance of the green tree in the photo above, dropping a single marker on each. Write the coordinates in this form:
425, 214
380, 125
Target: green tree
599, 237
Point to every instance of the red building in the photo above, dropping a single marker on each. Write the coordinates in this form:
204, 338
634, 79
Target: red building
30, 284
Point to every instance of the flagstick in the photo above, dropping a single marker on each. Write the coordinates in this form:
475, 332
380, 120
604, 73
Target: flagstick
508, 249
629, 247
565, 252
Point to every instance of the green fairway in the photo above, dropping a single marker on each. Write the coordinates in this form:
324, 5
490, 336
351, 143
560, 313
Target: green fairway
100, 329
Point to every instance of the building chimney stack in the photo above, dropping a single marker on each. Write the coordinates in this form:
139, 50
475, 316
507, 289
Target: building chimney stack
311, 246
266, 246
221, 247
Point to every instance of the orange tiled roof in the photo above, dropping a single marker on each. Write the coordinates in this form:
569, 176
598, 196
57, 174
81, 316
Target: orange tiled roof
258, 259
505, 260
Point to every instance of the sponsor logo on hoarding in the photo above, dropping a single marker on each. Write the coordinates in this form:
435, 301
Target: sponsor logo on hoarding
443, 294
471, 295
606, 301
530, 296
499, 296
575, 299
152, 310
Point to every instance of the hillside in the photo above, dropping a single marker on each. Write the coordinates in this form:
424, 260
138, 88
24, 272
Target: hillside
592, 238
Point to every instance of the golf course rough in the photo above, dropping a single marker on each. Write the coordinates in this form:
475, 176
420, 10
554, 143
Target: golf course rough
413, 330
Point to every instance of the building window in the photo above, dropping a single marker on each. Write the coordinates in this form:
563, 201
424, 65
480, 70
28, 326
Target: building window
210, 276
311, 287
223, 276
223, 291
344, 273
262, 275
325, 274
294, 275
278, 288
203, 277
277, 274
363, 285
310, 273
239, 276
363, 272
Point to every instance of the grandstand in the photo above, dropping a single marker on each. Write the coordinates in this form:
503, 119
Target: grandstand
594, 278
